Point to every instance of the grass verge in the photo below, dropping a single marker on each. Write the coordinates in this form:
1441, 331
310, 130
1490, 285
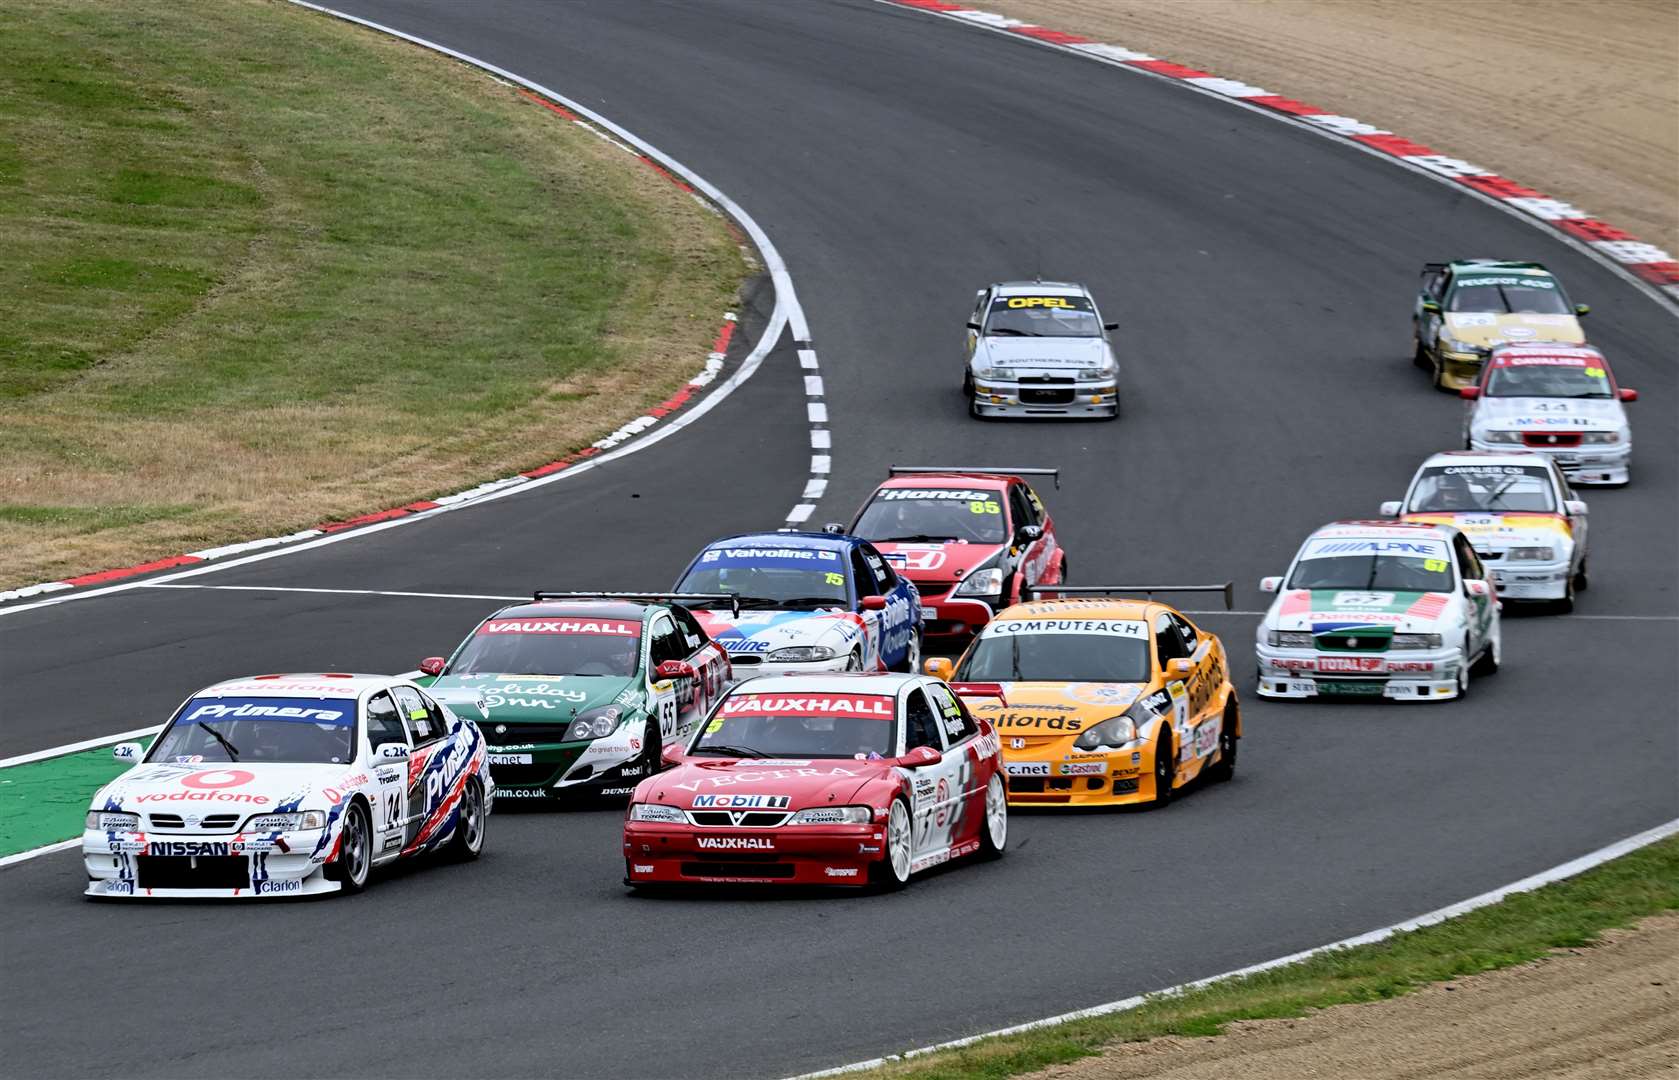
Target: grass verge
266, 269
1567, 914
44, 802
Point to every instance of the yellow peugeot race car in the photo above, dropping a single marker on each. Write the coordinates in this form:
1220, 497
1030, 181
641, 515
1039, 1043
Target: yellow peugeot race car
1099, 700
1467, 307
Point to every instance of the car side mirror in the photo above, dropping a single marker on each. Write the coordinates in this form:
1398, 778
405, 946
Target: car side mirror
872, 603
1026, 534
1179, 668
1431, 306
1575, 508
128, 751
674, 669
1474, 587
974, 326
433, 665
1582, 309
938, 667
1391, 508
1270, 584
834, 528
1110, 326
1629, 395
1469, 393
391, 751
671, 755
920, 758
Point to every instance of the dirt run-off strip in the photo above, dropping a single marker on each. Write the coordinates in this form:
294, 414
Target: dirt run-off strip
266, 269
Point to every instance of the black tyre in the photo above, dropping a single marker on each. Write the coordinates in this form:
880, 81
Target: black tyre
1581, 581
1165, 767
1420, 357
1228, 743
468, 841
994, 830
355, 851
892, 872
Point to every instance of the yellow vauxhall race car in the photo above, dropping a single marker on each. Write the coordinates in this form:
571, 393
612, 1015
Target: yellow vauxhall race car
1099, 700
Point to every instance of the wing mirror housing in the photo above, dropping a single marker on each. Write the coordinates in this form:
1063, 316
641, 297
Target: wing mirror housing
128, 751
1474, 587
872, 603
674, 669
1575, 508
1431, 306
1391, 508
1469, 393
1110, 326
938, 667
974, 326
391, 751
1582, 309
433, 665
1629, 394
1179, 668
1026, 534
920, 758
834, 528
1270, 584
671, 755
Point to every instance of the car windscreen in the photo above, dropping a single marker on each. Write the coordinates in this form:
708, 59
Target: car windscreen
1400, 573
1549, 376
246, 729
1454, 489
551, 646
781, 726
1525, 295
1043, 316
1059, 650
770, 577
932, 515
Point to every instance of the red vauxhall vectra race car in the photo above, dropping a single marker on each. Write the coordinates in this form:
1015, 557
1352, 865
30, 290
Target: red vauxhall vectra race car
971, 539
843, 779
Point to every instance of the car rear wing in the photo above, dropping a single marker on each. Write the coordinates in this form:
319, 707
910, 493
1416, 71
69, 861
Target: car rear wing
1434, 268
912, 470
1033, 592
645, 597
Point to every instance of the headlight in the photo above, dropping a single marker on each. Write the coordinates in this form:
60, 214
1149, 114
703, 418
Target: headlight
105, 821
642, 811
308, 819
1501, 436
594, 723
1601, 437
1289, 639
1531, 554
994, 373
834, 815
988, 582
1454, 345
1416, 641
798, 654
1116, 731
1101, 374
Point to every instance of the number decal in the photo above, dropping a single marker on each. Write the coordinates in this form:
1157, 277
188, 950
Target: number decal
984, 506
835, 579
392, 801
667, 717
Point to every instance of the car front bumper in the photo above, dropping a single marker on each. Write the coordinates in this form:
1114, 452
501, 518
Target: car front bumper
534, 772
1409, 675
1016, 399
1059, 776
1523, 580
1594, 464
658, 853
155, 865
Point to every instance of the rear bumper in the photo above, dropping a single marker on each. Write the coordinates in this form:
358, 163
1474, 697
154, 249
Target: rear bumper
1399, 676
657, 853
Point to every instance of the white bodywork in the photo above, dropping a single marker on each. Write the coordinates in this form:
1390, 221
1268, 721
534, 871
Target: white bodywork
1039, 376
1597, 427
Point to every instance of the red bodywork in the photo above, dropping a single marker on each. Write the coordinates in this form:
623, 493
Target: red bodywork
938, 569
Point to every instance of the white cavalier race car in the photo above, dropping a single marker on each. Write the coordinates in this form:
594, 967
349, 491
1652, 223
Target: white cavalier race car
1380, 609
288, 785
1518, 511
1039, 348
1559, 400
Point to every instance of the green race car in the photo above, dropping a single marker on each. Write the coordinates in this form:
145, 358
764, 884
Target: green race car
577, 694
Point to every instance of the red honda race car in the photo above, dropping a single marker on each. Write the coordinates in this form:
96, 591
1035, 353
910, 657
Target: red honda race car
842, 779
969, 538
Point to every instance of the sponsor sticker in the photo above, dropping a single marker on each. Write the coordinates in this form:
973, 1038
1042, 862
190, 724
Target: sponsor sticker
858, 706
735, 843
840, 871
742, 802
606, 627
1027, 768
1115, 627
278, 888
1083, 768
510, 759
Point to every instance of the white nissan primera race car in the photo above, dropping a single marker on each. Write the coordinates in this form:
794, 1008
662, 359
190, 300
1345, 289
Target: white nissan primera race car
288, 785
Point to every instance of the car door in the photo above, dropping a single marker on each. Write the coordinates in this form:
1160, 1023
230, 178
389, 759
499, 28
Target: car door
1427, 323
1577, 523
981, 305
960, 731
1169, 646
1033, 557
937, 788
895, 624
430, 738
668, 699
1478, 609
390, 778
711, 664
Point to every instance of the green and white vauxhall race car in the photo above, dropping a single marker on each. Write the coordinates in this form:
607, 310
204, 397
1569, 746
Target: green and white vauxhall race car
578, 693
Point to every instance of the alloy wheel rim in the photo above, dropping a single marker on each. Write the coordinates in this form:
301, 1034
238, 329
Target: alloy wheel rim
355, 843
897, 841
997, 813
473, 815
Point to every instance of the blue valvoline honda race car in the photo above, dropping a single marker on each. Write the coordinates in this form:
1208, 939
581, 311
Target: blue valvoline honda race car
807, 602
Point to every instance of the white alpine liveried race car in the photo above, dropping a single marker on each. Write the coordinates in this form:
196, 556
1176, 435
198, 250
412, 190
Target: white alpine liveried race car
1380, 609
1518, 511
1560, 400
288, 785
1039, 348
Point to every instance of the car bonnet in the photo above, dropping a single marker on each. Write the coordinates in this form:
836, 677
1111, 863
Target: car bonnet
762, 783
1550, 415
1045, 353
763, 631
1322, 611
220, 787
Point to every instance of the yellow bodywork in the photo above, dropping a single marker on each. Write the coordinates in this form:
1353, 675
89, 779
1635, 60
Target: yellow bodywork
1483, 330
1037, 723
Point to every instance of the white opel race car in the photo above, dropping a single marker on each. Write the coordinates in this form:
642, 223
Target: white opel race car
288, 785
1518, 511
1039, 348
1560, 400
1380, 609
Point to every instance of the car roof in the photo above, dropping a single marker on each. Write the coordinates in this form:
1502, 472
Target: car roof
839, 682
1484, 457
952, 479
808, 541
1095, 607
335, 684
1498, 266
1040, 288
1353, 528
594, 609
